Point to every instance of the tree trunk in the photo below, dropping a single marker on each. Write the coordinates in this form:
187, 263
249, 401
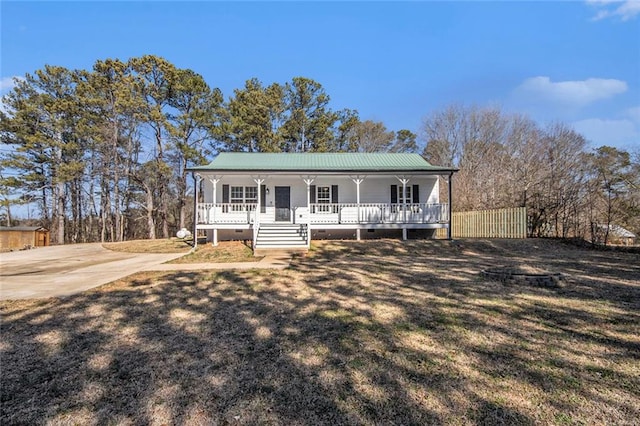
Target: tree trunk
75, 211
162, 186
609, 210
165, 216
151, 224
45, 208
61, 212
182, 189
8, 213
105, 203
130, 161
117, 236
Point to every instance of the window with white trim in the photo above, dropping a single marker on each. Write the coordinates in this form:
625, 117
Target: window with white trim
407, 195
243, 195
251, 194
323, 196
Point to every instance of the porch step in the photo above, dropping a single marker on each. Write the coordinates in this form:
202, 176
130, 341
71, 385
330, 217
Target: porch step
278, 231
282, 236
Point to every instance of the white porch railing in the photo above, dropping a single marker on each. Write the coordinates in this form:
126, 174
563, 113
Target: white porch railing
346, 213
336, 213
210, 213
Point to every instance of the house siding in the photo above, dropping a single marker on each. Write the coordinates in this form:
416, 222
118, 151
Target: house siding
334, 211
376, 218
374, 189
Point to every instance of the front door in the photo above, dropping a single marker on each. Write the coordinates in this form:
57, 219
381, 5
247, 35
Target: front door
283, 203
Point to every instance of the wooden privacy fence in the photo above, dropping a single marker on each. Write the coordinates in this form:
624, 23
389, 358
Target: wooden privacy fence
498, 223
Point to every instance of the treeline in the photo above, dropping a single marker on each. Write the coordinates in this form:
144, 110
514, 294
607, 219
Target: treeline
509, 160
104, 152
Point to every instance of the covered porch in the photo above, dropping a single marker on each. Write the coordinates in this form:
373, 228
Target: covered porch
327, 214
282, 197
329, 201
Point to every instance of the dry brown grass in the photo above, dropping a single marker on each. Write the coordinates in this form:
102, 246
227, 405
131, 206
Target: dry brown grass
225, 252
378, 332
171, 245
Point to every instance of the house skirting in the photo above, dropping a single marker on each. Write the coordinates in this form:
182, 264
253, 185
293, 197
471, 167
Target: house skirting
230, 232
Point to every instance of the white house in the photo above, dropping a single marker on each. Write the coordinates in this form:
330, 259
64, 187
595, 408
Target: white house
283, 200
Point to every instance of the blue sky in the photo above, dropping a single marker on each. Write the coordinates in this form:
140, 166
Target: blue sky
575, 62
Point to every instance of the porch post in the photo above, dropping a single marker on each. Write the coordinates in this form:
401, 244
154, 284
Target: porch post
308, 180
450, 206
196, 184
404, 202
214, 181
256, 215
259, 181
404, 181
358, 180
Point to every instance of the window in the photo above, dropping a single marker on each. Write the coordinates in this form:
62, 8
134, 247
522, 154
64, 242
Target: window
243, 195
407, 198
324, 199
398, 199
250, 194
323, 196
237, 194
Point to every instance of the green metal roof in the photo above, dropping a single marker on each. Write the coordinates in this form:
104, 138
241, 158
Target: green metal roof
320, 162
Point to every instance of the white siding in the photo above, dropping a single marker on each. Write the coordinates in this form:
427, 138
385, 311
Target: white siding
378, 189
374, 189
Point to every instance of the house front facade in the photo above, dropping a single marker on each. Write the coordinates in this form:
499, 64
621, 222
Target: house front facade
284, 200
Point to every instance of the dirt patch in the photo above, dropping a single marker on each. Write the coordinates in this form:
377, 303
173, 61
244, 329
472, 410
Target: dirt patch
376, 332
224, 252
172, 245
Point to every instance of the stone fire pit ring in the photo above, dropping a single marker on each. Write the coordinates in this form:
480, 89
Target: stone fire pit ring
524, 275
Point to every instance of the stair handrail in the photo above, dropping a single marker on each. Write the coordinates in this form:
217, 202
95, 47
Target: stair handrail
256, 226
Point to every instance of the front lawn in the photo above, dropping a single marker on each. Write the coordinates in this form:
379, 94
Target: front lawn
167, 245
224, 252
377, 332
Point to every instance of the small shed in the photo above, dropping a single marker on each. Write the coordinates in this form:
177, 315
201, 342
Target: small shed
622, 236
20, 237
618, 235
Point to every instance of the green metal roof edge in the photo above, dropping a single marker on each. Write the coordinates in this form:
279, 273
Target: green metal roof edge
356, 162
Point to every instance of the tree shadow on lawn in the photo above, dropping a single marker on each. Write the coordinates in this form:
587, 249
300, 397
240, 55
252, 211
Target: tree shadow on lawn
354, 334
187, 348
576, 348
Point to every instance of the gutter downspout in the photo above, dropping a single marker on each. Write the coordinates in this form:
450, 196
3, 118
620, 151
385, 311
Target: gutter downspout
450, 207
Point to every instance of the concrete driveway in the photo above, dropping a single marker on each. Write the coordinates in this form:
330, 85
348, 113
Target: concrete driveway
63, 270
